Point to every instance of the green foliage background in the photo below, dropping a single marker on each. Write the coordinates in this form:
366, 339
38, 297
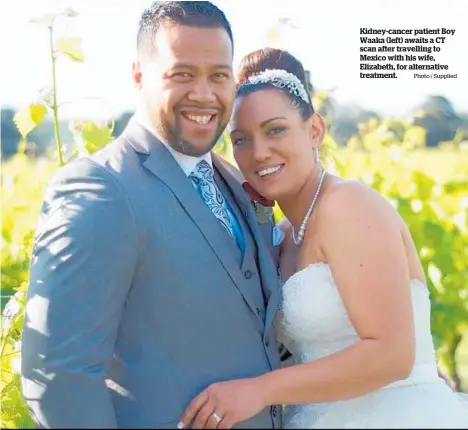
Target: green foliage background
428, 186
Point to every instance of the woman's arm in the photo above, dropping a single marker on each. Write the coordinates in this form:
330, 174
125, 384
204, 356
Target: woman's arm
362, 243
361, 238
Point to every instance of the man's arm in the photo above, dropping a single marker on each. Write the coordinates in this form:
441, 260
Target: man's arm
81, 270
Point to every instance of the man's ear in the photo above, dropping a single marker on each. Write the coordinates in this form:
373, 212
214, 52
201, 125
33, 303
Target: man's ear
136, 72
317, 129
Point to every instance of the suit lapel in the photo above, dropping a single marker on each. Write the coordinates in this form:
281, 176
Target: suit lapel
162, 164
268, 271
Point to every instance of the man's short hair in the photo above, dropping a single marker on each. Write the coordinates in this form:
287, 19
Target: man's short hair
203, 14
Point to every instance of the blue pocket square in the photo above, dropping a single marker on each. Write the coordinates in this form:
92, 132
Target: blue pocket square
278, 235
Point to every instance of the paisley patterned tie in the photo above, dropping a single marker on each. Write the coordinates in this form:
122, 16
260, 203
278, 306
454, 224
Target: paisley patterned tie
203, 178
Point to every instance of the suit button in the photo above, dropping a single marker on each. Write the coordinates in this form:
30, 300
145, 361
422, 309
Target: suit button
248, 274
267, 342
275, 411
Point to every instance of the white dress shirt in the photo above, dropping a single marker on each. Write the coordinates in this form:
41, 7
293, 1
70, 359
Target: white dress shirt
186, 162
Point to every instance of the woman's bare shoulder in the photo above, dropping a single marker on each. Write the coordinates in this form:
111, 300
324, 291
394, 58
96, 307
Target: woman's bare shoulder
352, 198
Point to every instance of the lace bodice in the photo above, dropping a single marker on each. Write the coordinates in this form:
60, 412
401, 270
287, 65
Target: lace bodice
312, 323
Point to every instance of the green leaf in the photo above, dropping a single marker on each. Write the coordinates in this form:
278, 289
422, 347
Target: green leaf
15, 413
71, 47
95, 137
415, 137
28, 118
424, 185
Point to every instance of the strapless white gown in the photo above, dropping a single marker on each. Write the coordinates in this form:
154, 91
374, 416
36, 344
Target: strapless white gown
312, 323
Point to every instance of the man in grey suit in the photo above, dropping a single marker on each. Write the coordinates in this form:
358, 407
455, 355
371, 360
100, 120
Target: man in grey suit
150, 276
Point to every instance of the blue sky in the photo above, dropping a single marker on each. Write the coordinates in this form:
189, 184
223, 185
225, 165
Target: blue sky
326, 40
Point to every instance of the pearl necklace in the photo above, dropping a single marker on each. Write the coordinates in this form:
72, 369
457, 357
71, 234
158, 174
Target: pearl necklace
300, 236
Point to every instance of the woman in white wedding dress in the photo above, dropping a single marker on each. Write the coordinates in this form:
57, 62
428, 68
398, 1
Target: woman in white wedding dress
355, 310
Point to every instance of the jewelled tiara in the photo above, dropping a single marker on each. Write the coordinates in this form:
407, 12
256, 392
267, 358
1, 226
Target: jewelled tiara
280, 79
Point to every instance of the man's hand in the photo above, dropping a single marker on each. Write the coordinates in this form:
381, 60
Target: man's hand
224, 404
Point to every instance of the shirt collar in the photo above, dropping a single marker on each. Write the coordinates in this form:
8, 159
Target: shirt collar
186, 162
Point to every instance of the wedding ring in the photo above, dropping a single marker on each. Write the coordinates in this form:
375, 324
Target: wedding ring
216, 417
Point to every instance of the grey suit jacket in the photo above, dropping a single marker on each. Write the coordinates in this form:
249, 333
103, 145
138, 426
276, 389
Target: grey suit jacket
135, 304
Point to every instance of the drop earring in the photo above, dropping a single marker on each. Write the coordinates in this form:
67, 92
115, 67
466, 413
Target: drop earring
317, 156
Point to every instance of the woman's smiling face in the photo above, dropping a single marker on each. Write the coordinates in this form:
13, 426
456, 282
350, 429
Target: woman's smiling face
273, 144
